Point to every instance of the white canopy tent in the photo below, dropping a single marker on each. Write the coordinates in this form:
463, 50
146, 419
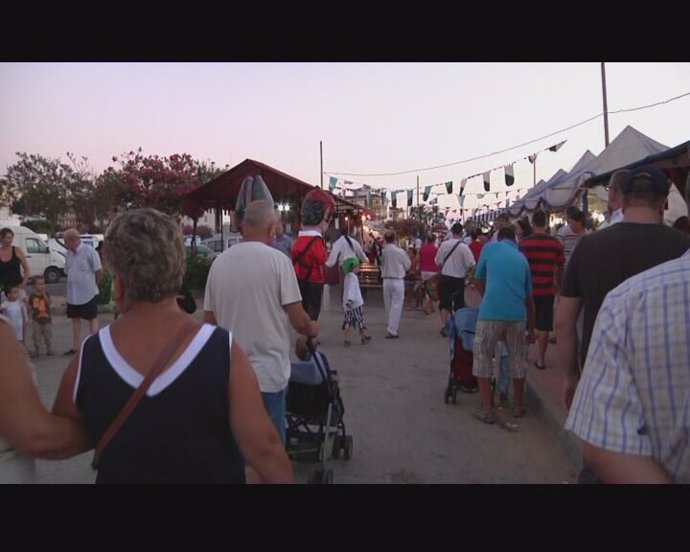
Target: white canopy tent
629, 146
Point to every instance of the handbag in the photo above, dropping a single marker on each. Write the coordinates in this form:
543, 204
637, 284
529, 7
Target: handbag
131, 404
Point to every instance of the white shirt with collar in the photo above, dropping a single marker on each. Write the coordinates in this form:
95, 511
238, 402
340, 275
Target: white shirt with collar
395, 262
81, 267
341, 250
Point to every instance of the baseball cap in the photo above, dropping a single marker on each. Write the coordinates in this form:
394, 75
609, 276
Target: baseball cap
646, 179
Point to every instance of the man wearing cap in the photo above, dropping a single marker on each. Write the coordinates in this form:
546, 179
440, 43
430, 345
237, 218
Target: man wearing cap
615, 199
606, 258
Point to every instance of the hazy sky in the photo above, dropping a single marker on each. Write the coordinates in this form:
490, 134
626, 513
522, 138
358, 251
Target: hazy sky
371, 117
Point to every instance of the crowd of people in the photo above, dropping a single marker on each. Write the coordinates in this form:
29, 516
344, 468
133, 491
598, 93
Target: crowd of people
618, 299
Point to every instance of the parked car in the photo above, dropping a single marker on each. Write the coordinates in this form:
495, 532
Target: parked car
201, 250
40, 258
216, 244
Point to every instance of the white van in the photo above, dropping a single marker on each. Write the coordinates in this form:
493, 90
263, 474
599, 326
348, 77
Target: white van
216, 244
40, 258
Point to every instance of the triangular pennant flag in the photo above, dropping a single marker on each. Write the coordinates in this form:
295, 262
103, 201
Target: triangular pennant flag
461, 198
394, 200
332, 182
383, 195
449, 187
510, 178
462, 185
427, 191
409, 198
480, 196
557, 146
434, 201
487, 180
532, 158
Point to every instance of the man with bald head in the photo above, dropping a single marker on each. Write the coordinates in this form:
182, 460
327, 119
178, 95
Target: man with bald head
252, 292
84, 273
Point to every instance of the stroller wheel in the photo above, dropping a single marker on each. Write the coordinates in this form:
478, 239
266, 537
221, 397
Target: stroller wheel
337, 445
348, 447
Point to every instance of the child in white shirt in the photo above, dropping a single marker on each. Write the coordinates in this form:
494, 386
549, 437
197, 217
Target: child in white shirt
353, 303
15, 310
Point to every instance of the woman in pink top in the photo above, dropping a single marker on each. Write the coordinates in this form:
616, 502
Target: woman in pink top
429, 270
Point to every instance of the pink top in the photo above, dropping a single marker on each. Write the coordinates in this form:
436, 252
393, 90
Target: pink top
427, 255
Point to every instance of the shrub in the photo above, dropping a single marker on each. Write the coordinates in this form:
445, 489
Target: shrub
104, 289
197, 271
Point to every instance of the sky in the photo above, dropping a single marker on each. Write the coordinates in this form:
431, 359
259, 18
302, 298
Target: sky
371, 117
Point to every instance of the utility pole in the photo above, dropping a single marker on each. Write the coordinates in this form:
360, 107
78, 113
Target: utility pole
606, 109
321, 155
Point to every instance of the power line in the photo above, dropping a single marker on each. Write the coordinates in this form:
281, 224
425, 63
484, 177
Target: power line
511, 148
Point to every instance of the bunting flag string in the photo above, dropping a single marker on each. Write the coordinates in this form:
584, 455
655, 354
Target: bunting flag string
510, 178
508, 169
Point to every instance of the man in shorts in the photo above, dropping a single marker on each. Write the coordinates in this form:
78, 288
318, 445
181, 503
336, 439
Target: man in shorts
84, 273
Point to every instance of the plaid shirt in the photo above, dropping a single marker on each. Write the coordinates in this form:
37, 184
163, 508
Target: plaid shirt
634, 395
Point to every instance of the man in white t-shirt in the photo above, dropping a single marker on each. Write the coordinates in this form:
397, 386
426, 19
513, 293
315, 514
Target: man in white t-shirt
252, 290
457, 262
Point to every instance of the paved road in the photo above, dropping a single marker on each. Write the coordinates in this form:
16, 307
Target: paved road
393, 394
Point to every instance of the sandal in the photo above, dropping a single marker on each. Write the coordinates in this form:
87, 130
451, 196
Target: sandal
539, 366
486, 417
366, 339
518, 411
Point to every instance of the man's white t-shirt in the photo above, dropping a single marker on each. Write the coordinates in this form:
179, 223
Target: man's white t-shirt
459, 259
247, 287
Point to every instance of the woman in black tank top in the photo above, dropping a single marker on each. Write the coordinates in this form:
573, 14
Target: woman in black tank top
12, 259
202, 419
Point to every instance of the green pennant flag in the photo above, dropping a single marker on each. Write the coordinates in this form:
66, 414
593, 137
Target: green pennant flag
427, 191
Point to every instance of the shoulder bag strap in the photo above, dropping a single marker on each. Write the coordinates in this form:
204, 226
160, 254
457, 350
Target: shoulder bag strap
451, 252
133, 401
297, 259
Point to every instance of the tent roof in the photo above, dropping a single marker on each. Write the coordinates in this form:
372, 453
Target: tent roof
627, 147
225, 188
672, 159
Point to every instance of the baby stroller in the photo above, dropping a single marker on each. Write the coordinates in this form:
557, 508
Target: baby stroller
460, 329
315, 428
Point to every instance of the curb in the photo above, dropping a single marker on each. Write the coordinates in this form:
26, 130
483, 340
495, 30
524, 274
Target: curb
554, 419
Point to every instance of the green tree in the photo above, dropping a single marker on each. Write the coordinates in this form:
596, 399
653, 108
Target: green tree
39, 226
42, 186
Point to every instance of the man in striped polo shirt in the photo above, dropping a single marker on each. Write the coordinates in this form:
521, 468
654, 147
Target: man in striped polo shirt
546, 261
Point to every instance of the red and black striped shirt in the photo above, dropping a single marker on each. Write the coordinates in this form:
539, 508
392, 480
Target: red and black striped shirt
544, 253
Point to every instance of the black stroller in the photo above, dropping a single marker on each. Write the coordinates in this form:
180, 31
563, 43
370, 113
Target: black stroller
315, 428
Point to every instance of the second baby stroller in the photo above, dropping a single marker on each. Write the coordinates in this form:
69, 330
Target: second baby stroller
460, 329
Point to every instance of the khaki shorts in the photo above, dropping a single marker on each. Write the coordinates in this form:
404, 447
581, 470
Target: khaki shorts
490, 332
